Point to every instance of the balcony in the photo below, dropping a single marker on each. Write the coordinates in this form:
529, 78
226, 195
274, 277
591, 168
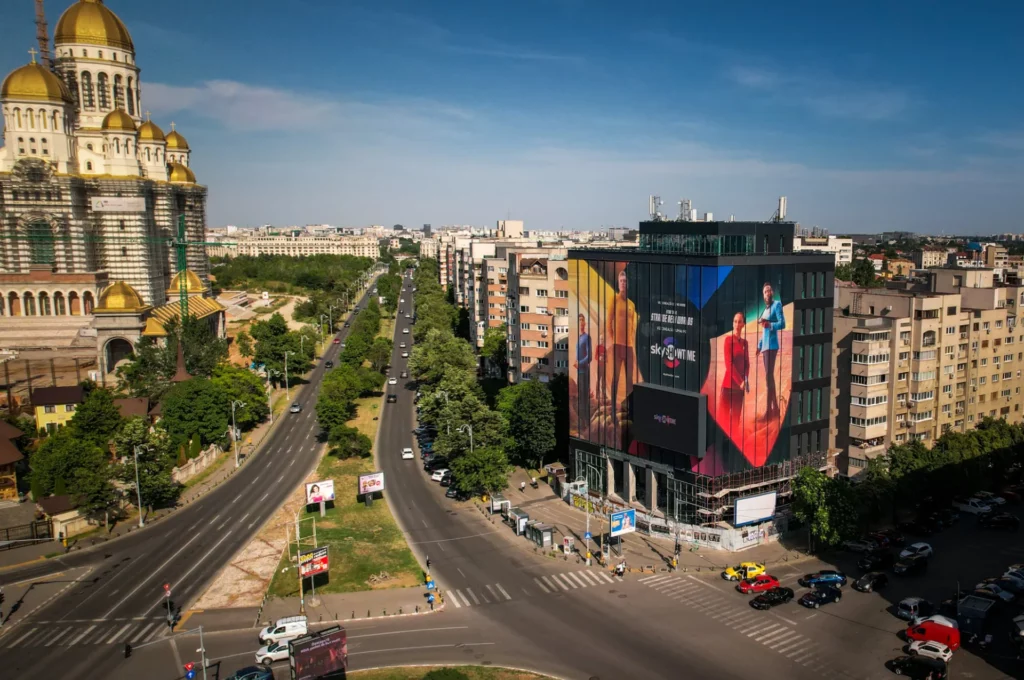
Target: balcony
869, 432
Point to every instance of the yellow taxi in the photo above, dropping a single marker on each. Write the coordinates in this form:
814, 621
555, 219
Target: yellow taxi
743, 570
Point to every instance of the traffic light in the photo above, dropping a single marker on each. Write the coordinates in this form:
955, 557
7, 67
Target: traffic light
127, 650
190, 670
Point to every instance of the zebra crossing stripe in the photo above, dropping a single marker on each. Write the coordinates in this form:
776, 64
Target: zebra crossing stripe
587, 577
763, 630
113, 638
550, 583
491, 591
649, 578
557, 581
142, 632
58, 637
781, 640
453, 596
606, 577
14, 643
578, 580
774, 633
561, 577
74, 641
476, 600
541, 584
498, 586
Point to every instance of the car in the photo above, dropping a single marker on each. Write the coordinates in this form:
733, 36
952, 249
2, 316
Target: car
920, 527
392, 398
819, 596
757, 584
888, 537
1001, 520
772, 598
743, 570
275, 651
392, 381
435, 463
407, 454
945, 517
253, 673
883, 559
405, 331
918, 668
911, 566
407, 316
990, 498
405, 374
975, 506
860, 546
825, 577
447, 479
1009, 583
329, 364
930, 649
940, 619
439, 473
337, 341
935, 632
402, 300
994, 593
347, 324
915, 549
295, 408
401, 345
284, 628
452, 492
910, 608
871, 581
405, 355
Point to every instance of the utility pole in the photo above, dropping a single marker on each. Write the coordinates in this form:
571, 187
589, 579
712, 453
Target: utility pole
448, 420
330, 318
234, 428
468, 428
138, 488
287, 393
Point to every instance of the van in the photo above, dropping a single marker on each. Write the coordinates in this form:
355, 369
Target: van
930, 630
284, 629
911, 608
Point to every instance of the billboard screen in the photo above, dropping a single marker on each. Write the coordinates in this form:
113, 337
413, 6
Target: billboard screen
371, 483
313, 562
622, 522
755, 508
320, 491
721, 331
669, 418
324, 654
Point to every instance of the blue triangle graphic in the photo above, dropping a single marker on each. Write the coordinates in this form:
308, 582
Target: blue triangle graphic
702, 282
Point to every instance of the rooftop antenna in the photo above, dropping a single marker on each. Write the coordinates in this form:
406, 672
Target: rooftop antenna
653, 205
43, 35
685, 210
780, 213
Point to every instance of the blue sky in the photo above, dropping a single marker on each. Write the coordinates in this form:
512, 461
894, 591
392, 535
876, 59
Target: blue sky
569, 113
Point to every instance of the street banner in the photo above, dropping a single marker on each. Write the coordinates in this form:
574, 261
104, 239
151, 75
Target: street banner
371, 483
313, 562
317, 492
622, 522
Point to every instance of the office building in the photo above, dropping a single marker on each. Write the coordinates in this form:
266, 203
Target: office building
840, 247
297, 246
537, 313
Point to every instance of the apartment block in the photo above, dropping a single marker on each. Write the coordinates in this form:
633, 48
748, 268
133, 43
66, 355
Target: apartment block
841, 248
930, 256
939, 352
298, 246
537, 315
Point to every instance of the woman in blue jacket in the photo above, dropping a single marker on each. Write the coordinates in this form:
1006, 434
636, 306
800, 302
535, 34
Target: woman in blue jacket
772, 321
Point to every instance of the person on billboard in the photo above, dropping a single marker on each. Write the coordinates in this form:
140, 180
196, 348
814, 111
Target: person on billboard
736, 382
315, 495
582, 366
771, 321
618, 332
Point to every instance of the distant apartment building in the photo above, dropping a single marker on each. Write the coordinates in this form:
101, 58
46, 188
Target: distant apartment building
428, 248
899, 267
537, 315
840, 247
509, 229
923, 357
930, 256
297, 246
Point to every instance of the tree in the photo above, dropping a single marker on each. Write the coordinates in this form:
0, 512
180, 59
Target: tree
244, 342
530, 415
349, 442
844, 272
273, 340
495, 347
437, 352
241, 384
195, 407
335, 404
864, 273
485, 467
489, 427
828, 506
58, 457
97, 418
203, 349
156, 459
379, 354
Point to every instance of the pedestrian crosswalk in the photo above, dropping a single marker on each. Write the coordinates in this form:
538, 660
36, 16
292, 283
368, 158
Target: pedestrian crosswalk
771, 631
55, 634
477, 596
572, 580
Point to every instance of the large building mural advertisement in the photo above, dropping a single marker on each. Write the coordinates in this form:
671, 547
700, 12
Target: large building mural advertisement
722, 331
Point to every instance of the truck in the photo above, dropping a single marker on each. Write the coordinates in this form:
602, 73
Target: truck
972, 615
974, 506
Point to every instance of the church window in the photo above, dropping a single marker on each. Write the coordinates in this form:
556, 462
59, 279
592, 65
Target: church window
101, 54
42, 119
88, 94
88, 165
56, 122
115, 56
41, 245
117, 146
103, 91
85, 53
17, 115
128, 146
118, 92
147, 156
89, 147
131, 97
31, 116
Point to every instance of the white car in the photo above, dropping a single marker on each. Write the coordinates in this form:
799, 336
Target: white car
405, 355
401, 345
993, 589
917, 549
405, 331
932, 650
407, 454
402, 300
275, 651
407, 316
990, 498
392, 381
438, 474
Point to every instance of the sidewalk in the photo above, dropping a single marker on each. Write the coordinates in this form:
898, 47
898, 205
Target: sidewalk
642, 552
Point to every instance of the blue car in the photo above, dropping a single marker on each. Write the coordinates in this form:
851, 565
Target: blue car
825, 577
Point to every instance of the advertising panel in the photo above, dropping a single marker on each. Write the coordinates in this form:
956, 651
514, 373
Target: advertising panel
721, 331
755, 508
313, 562
671, 419
622, 522
321, 655
320, 491
371, 483
118, 204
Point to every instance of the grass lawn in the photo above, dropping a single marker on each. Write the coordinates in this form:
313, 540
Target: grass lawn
363, 541
468, 672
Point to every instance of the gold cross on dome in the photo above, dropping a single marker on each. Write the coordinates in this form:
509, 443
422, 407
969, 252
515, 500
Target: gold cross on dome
33, 52
147, 116
172, 126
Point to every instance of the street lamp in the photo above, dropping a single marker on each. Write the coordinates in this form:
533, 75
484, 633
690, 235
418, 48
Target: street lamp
330, 317
469, 428
287, 394
448, 420
138, 488
234, 429
322, 327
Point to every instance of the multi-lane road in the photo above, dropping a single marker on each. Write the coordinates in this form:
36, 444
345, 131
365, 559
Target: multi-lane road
113, 594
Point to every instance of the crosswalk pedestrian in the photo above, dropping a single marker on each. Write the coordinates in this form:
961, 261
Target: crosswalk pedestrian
57, 634
491, 593
572, 580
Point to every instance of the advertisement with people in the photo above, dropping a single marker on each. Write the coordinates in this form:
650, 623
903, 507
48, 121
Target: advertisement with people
319, 491
622, 522
324, 654
371, 483
724, 332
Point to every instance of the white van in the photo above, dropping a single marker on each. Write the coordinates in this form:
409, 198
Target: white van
284, 629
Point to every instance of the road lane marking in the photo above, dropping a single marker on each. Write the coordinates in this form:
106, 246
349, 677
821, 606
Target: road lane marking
74, 641
244, 517
792, 623
58, 637
264, 497
542, 586
576, 578
291, 463
454, 599
424, 522
498, 586
113, 638
198, 562
811, 616
215, 518
763, 630
465, 600
142, 633
460, 571
476, 600
222, 524
236, 499
155, 571
407, 649
252, 523
460, 538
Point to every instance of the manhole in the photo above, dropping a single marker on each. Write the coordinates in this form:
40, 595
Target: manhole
612, 591
622, 596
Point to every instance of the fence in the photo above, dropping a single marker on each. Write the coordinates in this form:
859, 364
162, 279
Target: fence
14, 537
196, 465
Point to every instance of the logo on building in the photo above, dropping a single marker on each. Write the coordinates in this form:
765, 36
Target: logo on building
664, 420
672, 355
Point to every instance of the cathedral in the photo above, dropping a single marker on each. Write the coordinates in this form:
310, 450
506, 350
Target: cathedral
91, 192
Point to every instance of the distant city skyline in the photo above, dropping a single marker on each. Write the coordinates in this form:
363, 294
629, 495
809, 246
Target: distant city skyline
569, 114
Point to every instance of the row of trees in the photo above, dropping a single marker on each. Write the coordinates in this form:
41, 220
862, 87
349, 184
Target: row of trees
149, 372
332, 274
274, 340
908, 477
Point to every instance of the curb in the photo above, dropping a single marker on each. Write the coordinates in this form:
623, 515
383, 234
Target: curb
517, 669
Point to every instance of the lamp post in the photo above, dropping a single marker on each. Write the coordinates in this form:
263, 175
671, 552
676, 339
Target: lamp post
468, 428
322, 327
138, 487
330, 318
234, 429
287, 393
448, 420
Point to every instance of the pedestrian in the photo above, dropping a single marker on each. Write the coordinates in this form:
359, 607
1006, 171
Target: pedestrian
522, 487
428, 563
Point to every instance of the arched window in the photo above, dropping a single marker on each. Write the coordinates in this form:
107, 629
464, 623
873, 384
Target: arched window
128, 146
44, 305
159, 153
46, 150
88, 165
88, 94
131, 97
2, 305
117, 146
31, 116
101, 54
56, 121
85, 53
89, 146
30, 304
17, 115
42, 119
148, 159
103, 91
115, 56
118, 92
59, 307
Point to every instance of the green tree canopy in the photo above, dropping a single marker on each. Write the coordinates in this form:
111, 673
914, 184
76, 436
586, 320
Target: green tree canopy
495, 347
241, 384
349, 442
530, 414
97, 418
196, 407
62, 453
485, 468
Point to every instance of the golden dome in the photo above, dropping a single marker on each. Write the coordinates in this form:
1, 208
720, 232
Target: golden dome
176, 141
150, 132
119, 297
179, 173
90, 22
35, 82
193, 284
119, 120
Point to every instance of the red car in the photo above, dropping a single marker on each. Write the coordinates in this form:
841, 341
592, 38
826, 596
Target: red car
758, 584
337, 341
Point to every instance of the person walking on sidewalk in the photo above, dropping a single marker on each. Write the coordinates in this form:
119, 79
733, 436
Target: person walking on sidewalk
522, 487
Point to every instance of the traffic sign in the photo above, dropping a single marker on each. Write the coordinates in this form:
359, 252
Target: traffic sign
167, 589
587, 536
430, 585
190, 670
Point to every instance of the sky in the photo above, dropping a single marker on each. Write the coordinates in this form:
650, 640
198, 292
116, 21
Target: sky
568, 114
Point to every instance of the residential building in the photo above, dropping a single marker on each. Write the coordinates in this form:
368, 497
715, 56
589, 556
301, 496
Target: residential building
877, 261
509, 229
428, 248
930, 256
10, 456
840, 247
923, 357
298, 246
55, 406
537, 314
899, 267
